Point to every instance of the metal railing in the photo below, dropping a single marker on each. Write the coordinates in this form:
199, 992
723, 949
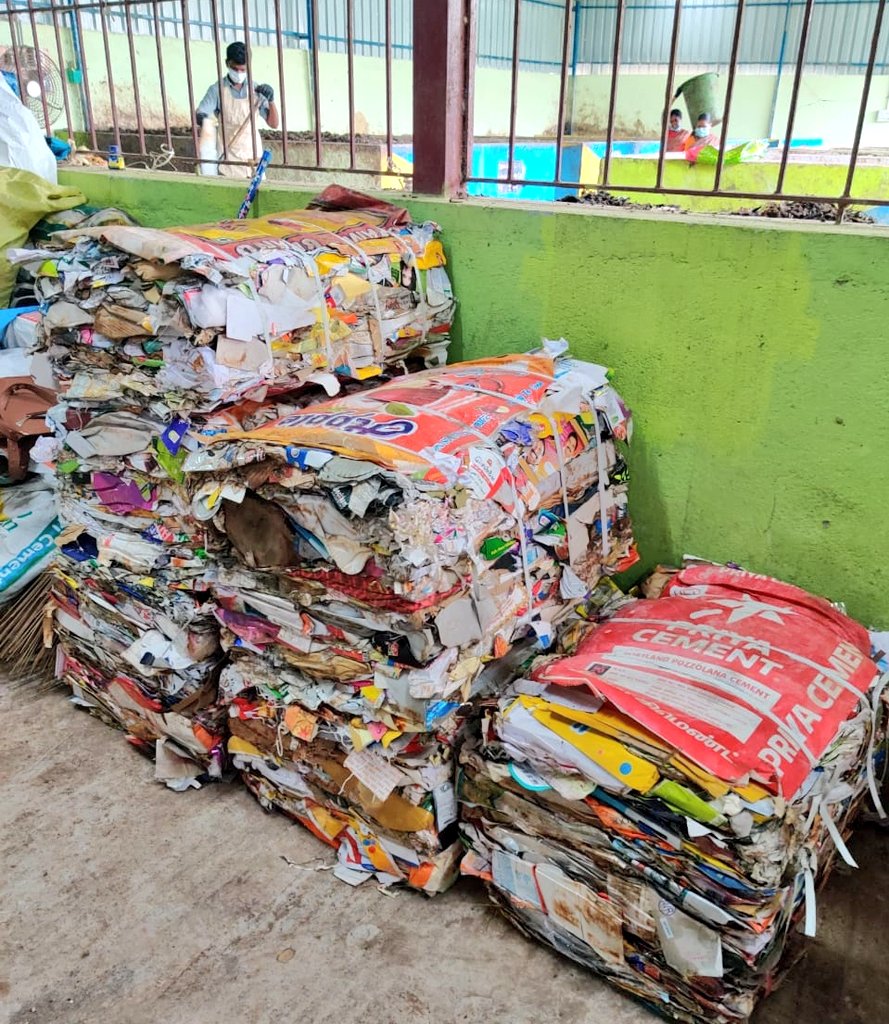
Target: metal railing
610, 177
96, 77
114, 83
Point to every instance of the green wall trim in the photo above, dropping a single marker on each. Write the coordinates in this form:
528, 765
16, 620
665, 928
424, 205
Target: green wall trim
813, 179
753, 354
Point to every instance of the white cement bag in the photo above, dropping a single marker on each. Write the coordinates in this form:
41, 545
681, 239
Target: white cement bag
28, 528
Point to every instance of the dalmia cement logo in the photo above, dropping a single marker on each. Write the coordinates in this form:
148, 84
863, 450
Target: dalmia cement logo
745, 607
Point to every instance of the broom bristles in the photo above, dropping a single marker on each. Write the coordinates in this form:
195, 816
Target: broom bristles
23, 656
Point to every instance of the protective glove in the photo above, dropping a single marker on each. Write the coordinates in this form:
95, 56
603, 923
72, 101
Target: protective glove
267, 93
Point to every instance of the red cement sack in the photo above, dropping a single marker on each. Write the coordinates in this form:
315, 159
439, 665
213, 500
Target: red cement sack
746, 676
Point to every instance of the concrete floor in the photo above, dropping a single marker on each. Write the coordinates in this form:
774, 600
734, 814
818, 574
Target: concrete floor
125, 903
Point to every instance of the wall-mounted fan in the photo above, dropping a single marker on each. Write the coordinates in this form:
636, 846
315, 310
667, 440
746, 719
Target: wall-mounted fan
38, 79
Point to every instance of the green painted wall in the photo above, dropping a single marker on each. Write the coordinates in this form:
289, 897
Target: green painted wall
753, 354
813, 179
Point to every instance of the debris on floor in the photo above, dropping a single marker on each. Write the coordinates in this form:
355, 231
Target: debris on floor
662, 805
602, 197
804, 210
380, 550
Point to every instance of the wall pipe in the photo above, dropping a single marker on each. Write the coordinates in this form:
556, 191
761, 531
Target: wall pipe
781, 52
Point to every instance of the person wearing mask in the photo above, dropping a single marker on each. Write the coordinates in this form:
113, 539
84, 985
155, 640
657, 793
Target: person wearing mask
701, 136
677, 136
230, 102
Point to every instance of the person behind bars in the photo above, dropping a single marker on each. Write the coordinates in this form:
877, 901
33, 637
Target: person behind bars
229, 100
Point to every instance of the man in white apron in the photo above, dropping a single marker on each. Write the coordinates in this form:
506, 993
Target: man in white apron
229, 101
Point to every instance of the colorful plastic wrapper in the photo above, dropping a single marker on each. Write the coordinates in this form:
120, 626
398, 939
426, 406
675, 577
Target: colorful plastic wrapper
155, 336
662, 804
196, 317
373, 554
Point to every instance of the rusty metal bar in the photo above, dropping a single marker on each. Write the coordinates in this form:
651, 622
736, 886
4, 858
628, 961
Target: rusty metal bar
439, 33
729, 92
186, 44
61, 54
470, 44
136, 97
668, 92
86, 81
615, 67
217, 43
722, 194
794, 95
39, 57
116, 128
514, 85
563, 85
10, 14
160, 72
316, 82
279, 40
388, 15
350, 71
251, 95
370, 171
115, 122
862, 110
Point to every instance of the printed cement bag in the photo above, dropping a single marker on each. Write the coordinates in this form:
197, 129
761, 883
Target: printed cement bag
698, 668
28, 528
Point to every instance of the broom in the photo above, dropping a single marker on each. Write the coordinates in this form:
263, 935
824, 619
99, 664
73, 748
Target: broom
24, 659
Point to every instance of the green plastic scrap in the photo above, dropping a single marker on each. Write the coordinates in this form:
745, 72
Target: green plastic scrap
686, 802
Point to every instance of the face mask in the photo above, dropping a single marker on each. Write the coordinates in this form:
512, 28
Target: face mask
238, 77
702, 133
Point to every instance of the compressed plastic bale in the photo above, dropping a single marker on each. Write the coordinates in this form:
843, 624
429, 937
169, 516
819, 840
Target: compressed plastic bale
661, 804
412, 535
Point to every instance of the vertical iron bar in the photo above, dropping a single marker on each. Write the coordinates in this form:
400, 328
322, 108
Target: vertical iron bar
794, 96
862, 110
668, 93
279, 39
186, 44
86, 81
160, 72
470, 46
115, 122
729, 92
560, 132
514, 86
38, 55
615, 65
61, 53
10, 14
388, 15
439, 95
136, 97
217, 42
251, 97
316, 81
350, 68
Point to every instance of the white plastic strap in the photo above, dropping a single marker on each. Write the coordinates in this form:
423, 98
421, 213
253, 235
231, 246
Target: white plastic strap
811, 921
834, 832
875, 721
325, 316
